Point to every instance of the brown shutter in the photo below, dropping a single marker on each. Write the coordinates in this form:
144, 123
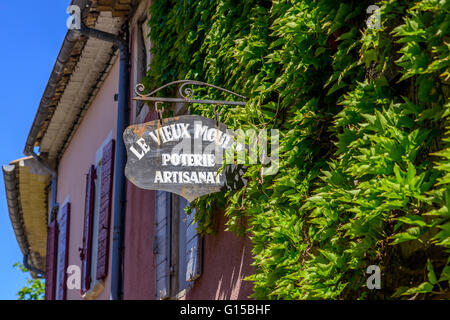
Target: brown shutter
86, 250
50, 264
63, 251
107, 172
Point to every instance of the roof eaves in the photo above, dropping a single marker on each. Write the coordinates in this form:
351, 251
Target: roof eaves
65, 55
25, 177
66, 64
12, 197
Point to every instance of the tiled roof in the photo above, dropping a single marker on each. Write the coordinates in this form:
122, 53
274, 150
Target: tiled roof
86, 78
27, 202
87, 67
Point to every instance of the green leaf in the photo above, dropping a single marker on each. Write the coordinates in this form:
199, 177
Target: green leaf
431, 275
399, 292
414, 220
319, 51
411, 173
410, 234
424, 287
445, 274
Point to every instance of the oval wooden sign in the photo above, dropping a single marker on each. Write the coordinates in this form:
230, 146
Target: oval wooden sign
181, 155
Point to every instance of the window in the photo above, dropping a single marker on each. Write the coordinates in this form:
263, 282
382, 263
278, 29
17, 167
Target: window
58, 243
94, 252
177, 246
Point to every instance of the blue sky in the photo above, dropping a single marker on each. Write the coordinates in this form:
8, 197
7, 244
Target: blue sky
31, 33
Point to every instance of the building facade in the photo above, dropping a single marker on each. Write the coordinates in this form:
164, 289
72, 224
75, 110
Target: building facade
78, 221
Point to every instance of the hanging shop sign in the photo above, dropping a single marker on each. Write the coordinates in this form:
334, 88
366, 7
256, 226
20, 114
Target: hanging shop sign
183, 154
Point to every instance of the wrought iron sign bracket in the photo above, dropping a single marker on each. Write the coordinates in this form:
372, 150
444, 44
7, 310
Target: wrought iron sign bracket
186, 94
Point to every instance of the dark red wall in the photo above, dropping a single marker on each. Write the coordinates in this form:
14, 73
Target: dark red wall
139, 267
226, 262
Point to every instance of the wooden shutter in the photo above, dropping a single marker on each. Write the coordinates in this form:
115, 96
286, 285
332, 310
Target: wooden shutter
193, 258
104, 221
161, 245
86, 250
63, 251
50, 264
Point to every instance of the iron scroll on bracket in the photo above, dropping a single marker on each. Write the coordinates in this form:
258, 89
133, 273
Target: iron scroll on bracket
186, 94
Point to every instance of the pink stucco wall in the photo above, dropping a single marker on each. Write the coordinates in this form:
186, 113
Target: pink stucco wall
98, 122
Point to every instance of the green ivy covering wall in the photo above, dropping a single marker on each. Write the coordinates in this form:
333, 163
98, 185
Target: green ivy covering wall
363, 116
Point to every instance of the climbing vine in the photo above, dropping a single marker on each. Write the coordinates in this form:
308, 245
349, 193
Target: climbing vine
363, 116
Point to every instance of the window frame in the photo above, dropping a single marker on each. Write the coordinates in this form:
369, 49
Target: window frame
96, 285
